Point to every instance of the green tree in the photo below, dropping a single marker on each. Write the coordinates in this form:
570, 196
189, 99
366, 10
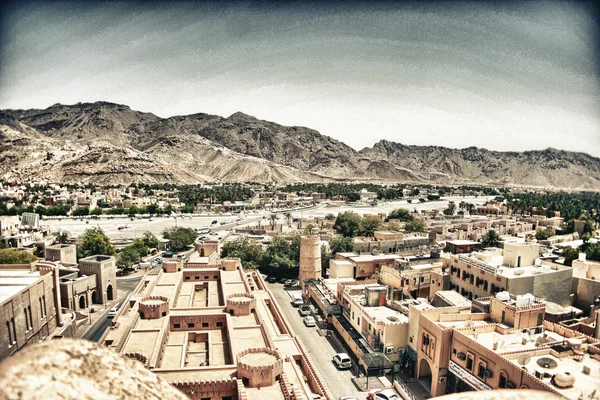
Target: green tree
401, 214
63, 237
150, 240
542, 234
288, 218
249, 252
416, 225
341, 244
127, 257
95, 242
96, 211
369, 225
451, 209
325, 257
273, 221
348, 223
352, 197
13, 256
81, 211
330, 216
491, 239
179, 238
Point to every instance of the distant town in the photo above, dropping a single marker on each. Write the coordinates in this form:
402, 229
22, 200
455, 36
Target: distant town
308, 291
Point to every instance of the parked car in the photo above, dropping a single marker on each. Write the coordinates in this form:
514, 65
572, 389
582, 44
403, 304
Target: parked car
304, 310
385, 394
288, 282
272, 279
295, 282
347, 398
282, 280
342, 360
215, 222
310, 321
297, 300
167, 254
158, 260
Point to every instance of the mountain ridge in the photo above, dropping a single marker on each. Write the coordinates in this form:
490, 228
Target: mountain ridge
102, 142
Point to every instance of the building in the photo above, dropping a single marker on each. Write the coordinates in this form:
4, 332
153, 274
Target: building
586, 282
515, 268
30, 308
310, 258
215, 333
508, 346
462, 246
30, 221
66, 254
105, 271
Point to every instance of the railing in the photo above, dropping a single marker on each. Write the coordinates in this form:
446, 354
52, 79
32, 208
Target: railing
405, 388
478, 264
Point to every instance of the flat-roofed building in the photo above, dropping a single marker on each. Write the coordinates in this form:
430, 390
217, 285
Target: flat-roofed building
66, 254
30, 309
104, 268
215, 333
508, 347
514, 269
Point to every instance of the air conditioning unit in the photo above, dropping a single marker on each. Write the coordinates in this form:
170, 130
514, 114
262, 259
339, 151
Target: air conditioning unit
488, 373
389, 349
461, 356
442, 379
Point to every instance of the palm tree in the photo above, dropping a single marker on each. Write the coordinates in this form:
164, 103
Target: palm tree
273, 221
490, 239
288, 218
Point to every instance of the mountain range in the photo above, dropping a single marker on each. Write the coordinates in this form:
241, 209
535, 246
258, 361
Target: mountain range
107, 143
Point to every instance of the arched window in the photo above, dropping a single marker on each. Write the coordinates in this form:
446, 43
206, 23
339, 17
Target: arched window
10, 338
485, 285
502, 379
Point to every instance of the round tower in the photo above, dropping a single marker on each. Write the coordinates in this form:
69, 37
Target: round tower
310, 258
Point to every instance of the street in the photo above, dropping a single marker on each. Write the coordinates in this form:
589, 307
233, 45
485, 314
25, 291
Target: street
124, 286
320, 348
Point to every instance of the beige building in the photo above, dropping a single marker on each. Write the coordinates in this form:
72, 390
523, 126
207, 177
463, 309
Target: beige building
586, 282
104, 268
310, 258
215, 333
30, 308
513, 269
508, 347
66, 254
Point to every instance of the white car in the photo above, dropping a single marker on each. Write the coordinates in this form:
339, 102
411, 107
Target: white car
309, 321
342, 360
113, 312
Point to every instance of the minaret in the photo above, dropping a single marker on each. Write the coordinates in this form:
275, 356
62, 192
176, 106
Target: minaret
310, 258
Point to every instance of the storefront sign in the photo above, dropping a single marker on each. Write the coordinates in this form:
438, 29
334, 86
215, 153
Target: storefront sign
467, 377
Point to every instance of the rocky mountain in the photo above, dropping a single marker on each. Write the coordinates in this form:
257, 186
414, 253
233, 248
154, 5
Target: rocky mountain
110, 143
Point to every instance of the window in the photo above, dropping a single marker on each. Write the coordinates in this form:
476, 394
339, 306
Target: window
205, 277
502, 381
10, 338
219, 324
453, 351
205, 324
470, 362
14, 329
191, 325
481, 371
540, 319
187, 278
176, 326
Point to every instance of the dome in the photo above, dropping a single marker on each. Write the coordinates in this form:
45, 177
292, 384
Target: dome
564, 380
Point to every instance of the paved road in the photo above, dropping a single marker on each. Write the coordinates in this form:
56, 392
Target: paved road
320, 348
125, 286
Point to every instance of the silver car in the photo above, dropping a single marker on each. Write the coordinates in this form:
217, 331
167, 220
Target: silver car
310, 321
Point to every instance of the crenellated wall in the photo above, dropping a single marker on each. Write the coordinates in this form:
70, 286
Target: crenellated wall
241, 303
260, 366
153, 307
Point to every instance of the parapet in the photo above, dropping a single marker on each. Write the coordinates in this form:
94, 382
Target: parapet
261, 366
172, 265
153, 307
231, 263
241, 303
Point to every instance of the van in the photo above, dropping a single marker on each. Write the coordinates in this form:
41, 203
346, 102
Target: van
297, 300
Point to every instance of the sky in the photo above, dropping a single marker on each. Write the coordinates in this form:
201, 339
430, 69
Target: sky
507, 76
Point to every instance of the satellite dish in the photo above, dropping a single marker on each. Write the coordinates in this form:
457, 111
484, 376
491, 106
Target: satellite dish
524, 359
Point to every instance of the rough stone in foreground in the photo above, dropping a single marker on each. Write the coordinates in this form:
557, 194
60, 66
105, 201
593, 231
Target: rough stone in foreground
78, 369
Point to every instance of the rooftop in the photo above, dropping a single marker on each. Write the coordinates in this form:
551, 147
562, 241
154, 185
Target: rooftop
14, 281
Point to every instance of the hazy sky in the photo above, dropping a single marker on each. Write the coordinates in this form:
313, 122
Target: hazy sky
506, 76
